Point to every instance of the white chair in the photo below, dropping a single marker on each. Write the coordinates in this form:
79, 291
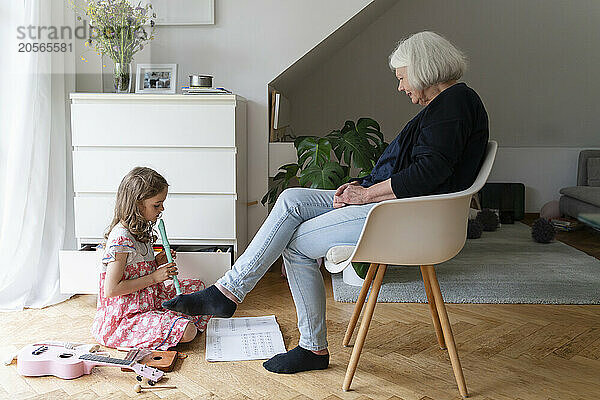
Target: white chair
424, 231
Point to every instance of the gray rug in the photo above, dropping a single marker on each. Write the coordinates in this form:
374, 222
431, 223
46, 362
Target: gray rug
505, 266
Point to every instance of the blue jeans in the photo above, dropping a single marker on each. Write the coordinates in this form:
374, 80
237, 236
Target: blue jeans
302, 226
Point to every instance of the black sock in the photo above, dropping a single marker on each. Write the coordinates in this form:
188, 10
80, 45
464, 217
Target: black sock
209, 301
296, 360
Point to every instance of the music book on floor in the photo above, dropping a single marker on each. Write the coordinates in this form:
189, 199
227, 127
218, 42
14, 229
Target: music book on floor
247, 338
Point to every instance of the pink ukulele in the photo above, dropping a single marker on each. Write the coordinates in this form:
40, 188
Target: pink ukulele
68, 362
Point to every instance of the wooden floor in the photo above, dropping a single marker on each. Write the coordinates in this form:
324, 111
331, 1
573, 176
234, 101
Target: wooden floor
507, 352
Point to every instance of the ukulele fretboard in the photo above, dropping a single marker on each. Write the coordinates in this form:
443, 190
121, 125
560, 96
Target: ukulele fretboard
91, 357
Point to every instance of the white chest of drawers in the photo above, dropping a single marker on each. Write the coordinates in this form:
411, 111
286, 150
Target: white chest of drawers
198, 143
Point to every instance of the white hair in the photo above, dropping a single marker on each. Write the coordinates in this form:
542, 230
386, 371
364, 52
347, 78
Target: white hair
430, 59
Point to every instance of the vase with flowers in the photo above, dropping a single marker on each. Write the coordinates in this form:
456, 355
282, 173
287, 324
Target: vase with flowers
118, 30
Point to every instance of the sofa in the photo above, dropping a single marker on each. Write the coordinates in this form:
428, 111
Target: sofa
585, 197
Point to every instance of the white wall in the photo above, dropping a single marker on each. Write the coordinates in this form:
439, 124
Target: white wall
543, 171
251, 43
534, 63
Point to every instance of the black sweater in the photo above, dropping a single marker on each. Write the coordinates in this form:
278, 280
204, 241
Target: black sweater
440, 150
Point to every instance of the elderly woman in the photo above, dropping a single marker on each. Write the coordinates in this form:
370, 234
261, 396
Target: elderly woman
439, 151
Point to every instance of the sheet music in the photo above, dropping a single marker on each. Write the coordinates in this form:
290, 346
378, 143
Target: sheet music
247, 338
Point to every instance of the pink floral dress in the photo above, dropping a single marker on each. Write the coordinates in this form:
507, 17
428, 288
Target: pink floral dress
138, 319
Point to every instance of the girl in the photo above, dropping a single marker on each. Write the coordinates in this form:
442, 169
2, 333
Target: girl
129, 311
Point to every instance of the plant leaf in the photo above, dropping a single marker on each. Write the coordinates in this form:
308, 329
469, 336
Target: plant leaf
316, 151
369, 125
361, 269
348, 127
335, 137
356, 149
280, 182
358, 145
330, 176
364, 172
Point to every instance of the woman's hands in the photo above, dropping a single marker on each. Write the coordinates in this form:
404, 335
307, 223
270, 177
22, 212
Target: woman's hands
161, 258
167, 271
350, 193
353, 193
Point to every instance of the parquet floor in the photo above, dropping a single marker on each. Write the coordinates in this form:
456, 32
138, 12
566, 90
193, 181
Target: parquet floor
507, 352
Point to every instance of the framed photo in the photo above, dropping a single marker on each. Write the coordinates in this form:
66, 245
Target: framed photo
184, 12
156, 78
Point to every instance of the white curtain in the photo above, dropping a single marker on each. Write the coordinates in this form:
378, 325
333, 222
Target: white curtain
34, 131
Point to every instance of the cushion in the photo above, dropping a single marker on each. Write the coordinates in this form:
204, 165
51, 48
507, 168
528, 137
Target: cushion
338, 254
338, 258
583, 193
593, 171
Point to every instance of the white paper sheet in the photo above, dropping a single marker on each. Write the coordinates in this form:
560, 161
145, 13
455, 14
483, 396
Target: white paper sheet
248, 338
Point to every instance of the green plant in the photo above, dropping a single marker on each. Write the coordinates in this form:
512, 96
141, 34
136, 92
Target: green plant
357, 145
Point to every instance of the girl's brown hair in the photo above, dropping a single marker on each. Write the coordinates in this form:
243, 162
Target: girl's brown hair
139, 184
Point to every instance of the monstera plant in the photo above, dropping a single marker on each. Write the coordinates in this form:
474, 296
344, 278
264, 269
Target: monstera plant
356, 145
325, 162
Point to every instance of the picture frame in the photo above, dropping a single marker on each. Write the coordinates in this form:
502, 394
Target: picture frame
184, 12
156, 78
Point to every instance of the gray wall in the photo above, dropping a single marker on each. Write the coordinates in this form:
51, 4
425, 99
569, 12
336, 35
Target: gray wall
534, 63
251, 43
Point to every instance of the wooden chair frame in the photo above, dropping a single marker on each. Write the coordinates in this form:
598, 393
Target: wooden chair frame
439, 316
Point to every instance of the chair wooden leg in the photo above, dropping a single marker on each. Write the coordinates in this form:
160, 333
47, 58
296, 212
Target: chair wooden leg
447, 330
434, 314
359, 303
364, 327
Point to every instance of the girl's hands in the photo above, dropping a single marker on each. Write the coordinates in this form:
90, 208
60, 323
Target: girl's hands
161, 258
167, 271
